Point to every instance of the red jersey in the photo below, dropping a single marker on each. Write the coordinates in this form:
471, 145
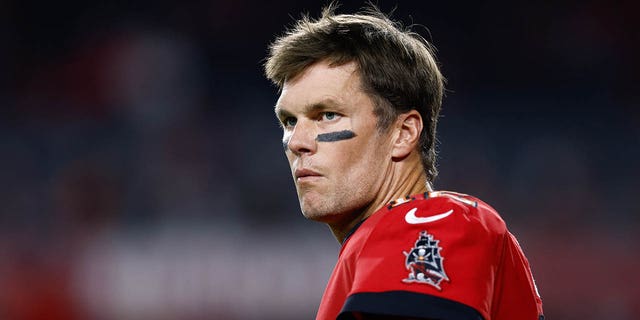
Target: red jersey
438, 255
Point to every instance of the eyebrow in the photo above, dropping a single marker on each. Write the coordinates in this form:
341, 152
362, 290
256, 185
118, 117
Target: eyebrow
324, 104
282, 113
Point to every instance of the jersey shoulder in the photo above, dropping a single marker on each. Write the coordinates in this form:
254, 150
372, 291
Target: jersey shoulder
444, 210
440, 246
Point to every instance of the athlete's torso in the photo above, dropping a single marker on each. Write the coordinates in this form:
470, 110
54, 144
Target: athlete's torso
439, 255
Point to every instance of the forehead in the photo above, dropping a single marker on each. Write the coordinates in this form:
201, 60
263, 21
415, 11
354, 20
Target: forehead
320, 83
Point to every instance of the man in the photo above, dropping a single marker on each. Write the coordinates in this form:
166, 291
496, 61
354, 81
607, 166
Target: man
359, 103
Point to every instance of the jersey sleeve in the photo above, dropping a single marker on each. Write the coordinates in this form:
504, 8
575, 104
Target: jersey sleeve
516, 295
435, 259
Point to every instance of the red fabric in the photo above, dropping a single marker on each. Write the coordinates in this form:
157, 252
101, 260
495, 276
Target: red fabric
483, 265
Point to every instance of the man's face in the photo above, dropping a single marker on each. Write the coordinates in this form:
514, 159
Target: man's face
338, 158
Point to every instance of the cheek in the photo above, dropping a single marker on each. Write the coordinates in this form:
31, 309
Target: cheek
361, 174
362, 159
290, 158
285, 140
376, 156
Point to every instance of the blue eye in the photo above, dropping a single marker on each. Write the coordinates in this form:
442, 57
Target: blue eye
329, 116
290, 122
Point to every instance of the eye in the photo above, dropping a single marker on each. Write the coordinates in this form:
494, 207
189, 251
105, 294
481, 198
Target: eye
289, 122
329, 116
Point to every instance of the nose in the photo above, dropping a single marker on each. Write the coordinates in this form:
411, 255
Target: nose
302, 139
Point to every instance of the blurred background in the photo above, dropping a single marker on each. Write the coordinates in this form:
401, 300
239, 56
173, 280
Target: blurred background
143, 175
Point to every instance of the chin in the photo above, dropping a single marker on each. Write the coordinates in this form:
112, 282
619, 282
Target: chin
315, 213
320, 214
312, 205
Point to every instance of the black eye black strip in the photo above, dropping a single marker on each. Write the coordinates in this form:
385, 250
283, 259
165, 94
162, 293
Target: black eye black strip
327, 137
335, 136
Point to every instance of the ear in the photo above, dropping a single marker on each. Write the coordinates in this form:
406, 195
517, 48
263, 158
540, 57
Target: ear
408, 127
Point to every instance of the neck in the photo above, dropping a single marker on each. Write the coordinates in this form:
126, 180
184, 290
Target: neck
403, 180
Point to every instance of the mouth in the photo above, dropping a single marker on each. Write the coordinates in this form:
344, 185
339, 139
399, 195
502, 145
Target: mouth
305, 174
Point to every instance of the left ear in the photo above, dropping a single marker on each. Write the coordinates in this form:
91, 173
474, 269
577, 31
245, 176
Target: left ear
409, 127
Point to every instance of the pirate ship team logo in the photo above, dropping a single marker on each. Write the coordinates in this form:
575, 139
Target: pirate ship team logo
424, 262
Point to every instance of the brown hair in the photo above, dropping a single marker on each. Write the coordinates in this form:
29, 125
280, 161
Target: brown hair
397, 66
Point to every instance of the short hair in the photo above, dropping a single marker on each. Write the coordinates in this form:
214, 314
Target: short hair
397, 66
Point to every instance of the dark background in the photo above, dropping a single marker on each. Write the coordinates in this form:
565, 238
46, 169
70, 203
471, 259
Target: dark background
143, 176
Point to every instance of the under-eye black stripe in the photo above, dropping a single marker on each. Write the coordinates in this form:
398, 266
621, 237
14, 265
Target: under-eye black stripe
335, 136
406, 304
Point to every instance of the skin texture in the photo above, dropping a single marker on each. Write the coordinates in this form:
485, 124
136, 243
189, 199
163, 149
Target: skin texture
342, 181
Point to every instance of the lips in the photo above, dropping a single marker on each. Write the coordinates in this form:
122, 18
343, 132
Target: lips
305, 174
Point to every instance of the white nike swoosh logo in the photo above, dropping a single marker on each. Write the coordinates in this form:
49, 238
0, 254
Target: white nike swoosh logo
411, 218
